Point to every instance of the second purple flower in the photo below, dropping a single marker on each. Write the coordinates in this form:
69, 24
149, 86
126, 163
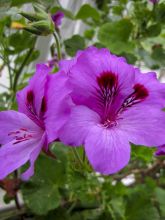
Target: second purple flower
114, 104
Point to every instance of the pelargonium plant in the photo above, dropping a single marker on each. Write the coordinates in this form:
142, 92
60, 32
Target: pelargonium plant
82, 117
105, 105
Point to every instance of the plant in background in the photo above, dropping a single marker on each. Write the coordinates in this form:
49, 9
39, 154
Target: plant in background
64, 184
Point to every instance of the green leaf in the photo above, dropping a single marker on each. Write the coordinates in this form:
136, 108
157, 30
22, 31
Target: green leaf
118, 206
73, 44
59, 214
131, 58
160, 15
118, 9
118, 30
21, 40
115, 36
87, 11
20, 2
160, 196
158, 54
41, 193
142, 153
146, 57
89, 33
153, 30
41, 199
139, 205
33, 57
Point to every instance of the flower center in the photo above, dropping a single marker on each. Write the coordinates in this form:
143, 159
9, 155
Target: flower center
20, 135
109, 123
107, 92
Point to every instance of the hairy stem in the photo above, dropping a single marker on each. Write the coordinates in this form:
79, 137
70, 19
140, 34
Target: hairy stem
58, 46
18, 73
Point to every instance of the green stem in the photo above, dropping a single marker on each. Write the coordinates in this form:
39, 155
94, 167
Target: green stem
58, 46
18, 73
83, 155
10, 74
77, 155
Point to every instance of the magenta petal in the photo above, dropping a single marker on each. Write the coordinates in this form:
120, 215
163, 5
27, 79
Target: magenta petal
107, 150
13, 156
12, 121
32, 158
143, 125
58, 102
66, 65
160, 151
57, 18
81, 120
90, 65
155, 88
36, 89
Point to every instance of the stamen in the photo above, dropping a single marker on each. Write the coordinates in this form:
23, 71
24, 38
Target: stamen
109, 124
20, 135
139, 94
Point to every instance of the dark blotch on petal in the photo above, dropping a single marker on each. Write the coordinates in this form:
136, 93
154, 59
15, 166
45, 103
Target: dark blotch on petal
30, 97
43, 105
140, 91
107, 80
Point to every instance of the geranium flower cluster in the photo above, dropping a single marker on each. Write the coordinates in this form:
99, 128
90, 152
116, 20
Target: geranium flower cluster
96, 100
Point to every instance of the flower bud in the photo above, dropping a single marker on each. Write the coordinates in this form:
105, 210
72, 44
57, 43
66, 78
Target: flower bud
40, 22
57, 18
32, 17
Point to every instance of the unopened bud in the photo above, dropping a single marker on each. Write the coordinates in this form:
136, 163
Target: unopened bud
32, 30
31, 17
43, 27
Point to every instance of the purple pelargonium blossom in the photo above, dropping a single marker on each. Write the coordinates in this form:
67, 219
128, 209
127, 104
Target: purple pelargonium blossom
114, 105
25, 133
57, 18
160, 151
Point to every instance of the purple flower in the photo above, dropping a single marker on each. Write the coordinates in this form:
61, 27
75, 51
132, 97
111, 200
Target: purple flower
53, 62
114, 104
57, 18
154, 1
160, 151
25, 133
